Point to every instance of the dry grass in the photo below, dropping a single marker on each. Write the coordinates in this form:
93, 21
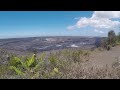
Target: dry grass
63, 64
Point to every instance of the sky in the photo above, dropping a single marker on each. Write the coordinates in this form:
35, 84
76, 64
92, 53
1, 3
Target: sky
15, 24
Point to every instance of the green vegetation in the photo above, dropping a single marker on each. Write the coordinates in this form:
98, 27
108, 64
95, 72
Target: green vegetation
53, 65
66, 64
111, 41
111, 38
63, 64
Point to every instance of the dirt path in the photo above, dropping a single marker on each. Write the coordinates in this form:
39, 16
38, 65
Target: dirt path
105, 57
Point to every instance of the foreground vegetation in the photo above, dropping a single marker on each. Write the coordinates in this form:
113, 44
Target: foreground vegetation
110, 41
63, 64
53, 65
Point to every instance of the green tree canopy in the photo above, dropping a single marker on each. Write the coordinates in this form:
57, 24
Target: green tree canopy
111, 37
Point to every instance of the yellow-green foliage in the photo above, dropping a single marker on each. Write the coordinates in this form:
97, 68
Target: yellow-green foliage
14, 61
40, 62
30, 61
52, 74
19, 72
64, 64
53, 65
56, 70
26, 67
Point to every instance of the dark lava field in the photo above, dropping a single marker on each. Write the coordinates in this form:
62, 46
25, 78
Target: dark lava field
47, 43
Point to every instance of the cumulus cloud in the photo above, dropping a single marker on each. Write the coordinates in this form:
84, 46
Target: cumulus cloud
99, 20
106, 14
101, 23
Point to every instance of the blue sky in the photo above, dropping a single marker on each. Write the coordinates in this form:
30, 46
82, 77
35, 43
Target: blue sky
48, 23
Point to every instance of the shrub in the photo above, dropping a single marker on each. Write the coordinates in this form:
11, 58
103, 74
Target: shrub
26, 68
108, 47
111, 38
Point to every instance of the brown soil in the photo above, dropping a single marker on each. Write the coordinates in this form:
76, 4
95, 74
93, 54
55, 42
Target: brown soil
101, 58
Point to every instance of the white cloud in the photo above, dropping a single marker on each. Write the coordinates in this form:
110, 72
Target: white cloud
70, 27
99, 20
98, 31
106, 14
101, 23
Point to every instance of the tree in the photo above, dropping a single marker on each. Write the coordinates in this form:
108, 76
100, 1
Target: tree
104, 43
111, 38
119, 36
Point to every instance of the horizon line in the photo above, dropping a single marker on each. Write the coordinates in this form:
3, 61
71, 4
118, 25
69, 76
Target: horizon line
48, 36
